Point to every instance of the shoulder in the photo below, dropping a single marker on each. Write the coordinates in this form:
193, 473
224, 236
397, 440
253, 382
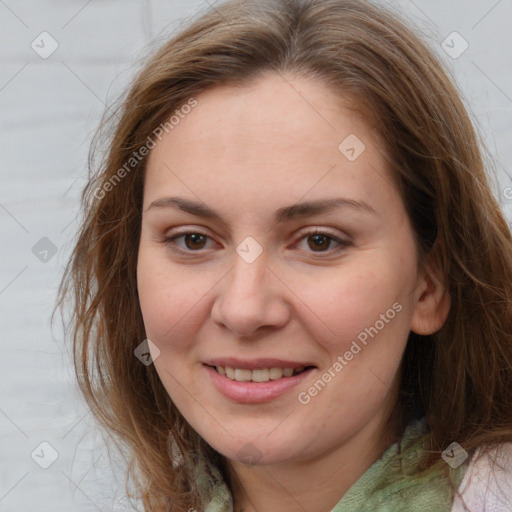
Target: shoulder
486, 486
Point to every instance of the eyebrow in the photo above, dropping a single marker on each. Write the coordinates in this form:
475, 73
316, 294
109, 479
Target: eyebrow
283, 214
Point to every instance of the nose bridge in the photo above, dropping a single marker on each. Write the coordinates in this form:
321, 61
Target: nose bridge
249, 274
248, 299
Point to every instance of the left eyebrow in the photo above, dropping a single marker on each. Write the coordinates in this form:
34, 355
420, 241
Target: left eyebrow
283, 214
321, 206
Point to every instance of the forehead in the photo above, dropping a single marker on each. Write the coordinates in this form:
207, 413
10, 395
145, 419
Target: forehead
280, 137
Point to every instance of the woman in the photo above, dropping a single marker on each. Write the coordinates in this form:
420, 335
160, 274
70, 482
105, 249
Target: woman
293, 284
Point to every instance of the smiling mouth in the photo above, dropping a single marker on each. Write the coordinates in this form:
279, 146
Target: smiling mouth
260, 374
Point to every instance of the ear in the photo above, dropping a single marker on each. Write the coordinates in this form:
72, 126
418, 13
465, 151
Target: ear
433, 302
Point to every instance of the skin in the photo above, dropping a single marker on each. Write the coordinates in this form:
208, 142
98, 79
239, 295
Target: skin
246, 152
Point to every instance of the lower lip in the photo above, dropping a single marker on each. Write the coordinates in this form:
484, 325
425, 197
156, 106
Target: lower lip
254, 392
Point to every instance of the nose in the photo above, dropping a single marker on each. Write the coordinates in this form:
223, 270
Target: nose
251, 299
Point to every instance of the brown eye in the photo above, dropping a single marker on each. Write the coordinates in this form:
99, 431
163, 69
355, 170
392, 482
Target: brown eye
187, 242
194, 241
319, 242
322, 243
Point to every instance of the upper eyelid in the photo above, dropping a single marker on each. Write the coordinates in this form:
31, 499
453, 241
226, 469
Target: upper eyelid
301, 232
300, 235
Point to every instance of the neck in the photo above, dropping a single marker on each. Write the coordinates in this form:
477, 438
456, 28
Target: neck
314, 484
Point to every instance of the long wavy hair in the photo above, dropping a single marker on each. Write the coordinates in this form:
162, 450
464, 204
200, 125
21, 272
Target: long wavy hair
460, 378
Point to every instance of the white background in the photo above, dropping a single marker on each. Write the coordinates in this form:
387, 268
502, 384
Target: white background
49, 110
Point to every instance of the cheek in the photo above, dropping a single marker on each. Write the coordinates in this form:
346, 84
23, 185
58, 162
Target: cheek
362, 325
346, 303
168, 301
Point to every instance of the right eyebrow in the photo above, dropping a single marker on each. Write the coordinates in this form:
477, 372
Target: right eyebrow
192, 207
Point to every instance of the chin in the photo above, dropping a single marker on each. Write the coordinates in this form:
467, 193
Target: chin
257, 452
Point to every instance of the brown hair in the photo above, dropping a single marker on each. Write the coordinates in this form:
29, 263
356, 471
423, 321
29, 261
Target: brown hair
459, 377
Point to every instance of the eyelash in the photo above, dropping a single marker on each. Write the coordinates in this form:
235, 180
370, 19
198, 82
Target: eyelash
171, 244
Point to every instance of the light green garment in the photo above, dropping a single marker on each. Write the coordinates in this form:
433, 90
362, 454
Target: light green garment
377, 490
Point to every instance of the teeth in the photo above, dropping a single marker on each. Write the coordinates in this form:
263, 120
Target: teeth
276, 373
242, 375
288, 372
260, 375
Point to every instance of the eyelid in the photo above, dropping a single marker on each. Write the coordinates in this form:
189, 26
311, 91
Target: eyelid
311, 230
169, 240
342, 243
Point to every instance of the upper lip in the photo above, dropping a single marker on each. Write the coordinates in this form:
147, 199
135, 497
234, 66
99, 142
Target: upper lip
255, 364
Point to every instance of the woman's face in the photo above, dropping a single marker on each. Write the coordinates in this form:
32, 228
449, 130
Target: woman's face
299, 256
